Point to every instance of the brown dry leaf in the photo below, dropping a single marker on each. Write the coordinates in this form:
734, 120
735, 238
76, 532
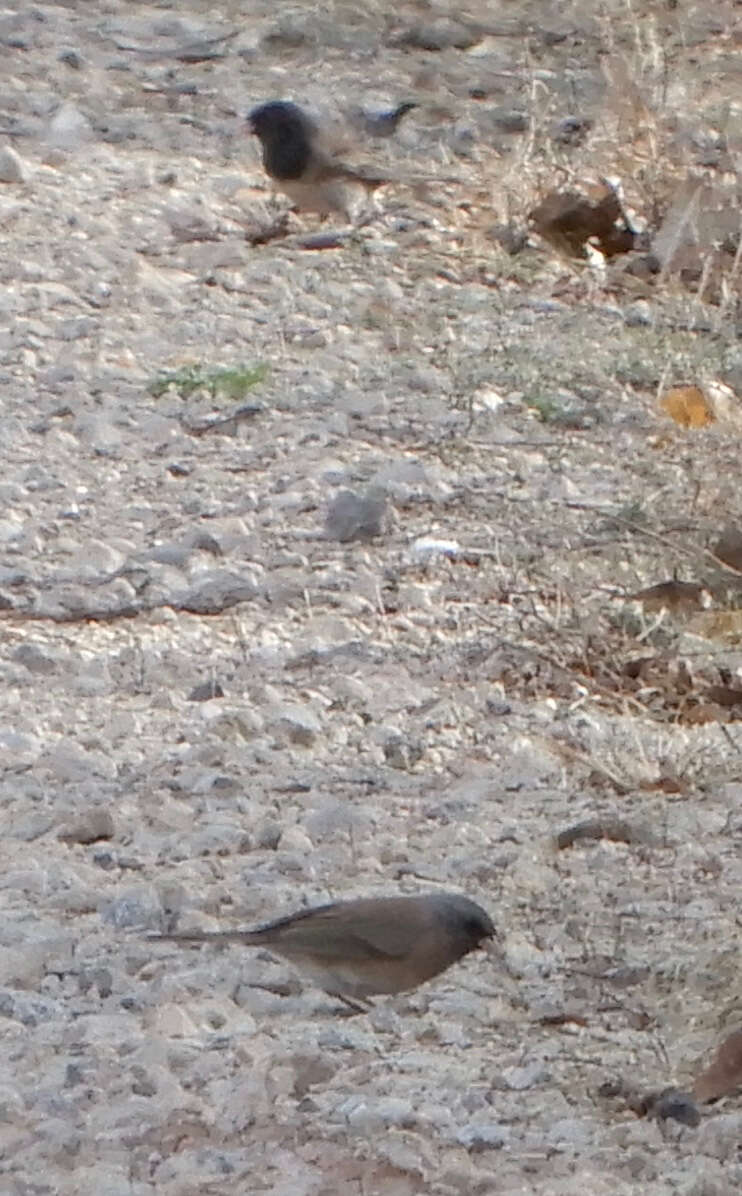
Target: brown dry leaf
665, 783
640, 668
728, 548
698, 716
717, 625
724, 1073
616, 829
674, 595
682, 677
562, 1017
688, 406
569, 219
724, 695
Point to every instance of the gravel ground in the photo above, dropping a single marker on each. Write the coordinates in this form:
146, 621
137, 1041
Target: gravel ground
240, 677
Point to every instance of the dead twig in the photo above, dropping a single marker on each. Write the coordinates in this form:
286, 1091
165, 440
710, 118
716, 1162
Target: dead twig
192, 52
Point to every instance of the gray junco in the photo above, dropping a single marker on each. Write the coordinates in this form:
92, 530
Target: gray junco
304, 160
371, 946
303, 163
382, 123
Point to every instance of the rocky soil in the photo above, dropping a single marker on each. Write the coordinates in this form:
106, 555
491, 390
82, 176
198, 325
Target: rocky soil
365, 625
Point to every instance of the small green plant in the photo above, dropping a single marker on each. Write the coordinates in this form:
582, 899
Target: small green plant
231, 382
546, 408
633, 512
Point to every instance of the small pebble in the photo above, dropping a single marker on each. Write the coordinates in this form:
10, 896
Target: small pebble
12, 167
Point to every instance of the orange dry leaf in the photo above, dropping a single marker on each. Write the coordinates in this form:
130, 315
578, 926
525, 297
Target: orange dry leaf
688, 406
724, 1073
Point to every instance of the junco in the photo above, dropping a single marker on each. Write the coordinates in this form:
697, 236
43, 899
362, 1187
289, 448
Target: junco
373, 945
302, 163
303, 160
383, 123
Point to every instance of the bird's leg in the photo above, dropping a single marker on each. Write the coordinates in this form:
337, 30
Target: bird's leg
358, 1005
368, 215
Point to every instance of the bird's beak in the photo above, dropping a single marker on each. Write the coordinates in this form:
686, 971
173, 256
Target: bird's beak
491, 947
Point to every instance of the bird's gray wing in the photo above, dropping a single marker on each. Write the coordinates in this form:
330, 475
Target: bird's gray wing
342, 932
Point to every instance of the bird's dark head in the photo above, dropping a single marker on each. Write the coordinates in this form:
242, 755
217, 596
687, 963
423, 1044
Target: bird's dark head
285, 134
466, 919
276, 117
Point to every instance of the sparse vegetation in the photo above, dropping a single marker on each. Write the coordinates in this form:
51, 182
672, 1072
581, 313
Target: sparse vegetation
229, 382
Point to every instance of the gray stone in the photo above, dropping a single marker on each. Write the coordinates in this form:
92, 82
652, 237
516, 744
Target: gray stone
483, 1135
70, 58
215, 592
509, 120
440, 34
206, 692
138, 907
32, 657
268, 835
12, 167
298, 724
69, 129
402, 753
352, 516
89, 826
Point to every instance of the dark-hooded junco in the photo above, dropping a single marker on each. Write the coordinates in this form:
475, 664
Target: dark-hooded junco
304, 160
381, 123
303, 163
359, 949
